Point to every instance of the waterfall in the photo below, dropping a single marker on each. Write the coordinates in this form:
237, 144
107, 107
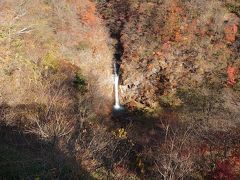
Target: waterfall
116, 83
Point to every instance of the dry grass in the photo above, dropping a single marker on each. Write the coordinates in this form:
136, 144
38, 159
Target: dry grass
56, 74
39, 35
53, 54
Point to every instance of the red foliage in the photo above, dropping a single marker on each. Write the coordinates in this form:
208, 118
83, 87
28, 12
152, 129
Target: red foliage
223, 171
231, 72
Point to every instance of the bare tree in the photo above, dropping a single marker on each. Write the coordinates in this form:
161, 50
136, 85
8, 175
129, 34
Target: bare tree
174, 157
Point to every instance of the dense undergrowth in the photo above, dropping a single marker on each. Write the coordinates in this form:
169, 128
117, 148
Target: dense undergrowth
179, 85
179, 66
52, 81
172, 44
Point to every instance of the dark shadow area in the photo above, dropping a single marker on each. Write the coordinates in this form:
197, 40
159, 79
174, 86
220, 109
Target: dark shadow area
149, 135
160, 138
25, 156
143, 124
144, 132
120, 15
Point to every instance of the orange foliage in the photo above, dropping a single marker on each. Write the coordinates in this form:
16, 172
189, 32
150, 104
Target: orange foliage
178, 36
89, 15
191, 30
231, 72
231, 32
172, 24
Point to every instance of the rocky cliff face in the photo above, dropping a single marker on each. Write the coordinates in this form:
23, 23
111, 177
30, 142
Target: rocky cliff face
169, 45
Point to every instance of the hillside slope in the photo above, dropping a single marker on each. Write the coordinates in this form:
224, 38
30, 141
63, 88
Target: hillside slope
179, 88
55, 77
40, 38
172, 45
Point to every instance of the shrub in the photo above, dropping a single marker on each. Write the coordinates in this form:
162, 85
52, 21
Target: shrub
80, 83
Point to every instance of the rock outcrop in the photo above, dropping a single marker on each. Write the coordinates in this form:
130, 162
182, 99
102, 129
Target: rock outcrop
170, 45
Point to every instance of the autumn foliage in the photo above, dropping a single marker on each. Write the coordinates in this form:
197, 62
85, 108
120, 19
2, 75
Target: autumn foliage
232, 74
231, 32
179, 86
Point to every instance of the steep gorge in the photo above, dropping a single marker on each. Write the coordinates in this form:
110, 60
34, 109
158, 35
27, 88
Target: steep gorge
170, 46
178, 62
115, 27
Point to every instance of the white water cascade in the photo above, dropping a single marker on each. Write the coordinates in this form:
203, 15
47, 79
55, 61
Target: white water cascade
116, 83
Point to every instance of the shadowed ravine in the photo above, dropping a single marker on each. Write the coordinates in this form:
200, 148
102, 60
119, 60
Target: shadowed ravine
115, 29
117, 63
120, 89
